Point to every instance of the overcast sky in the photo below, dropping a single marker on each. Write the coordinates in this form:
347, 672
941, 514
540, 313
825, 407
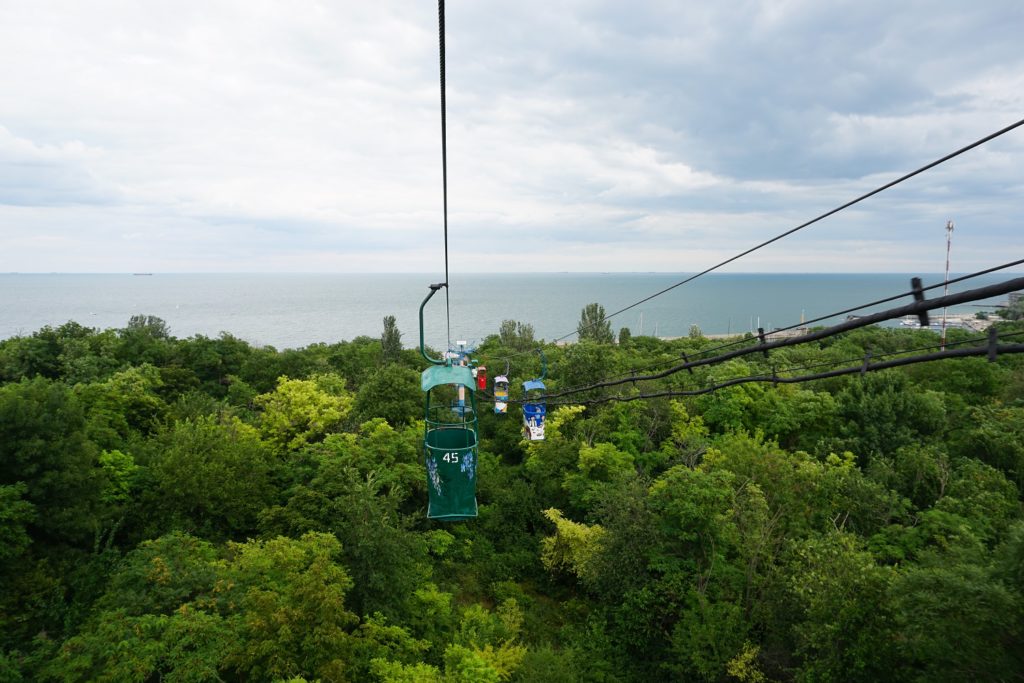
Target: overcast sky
583, 135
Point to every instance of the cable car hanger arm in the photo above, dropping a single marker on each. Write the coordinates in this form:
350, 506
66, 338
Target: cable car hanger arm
423, 351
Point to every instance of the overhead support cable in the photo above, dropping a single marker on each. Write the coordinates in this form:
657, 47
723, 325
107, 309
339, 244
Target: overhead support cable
989, 351
829, 316
832, 363
444, 166
823, 216
746, 342
914, 308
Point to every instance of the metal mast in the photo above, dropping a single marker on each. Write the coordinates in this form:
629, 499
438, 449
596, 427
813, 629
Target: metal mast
945, 290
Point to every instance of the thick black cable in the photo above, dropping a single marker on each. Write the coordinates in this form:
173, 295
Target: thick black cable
915, 308
702, 352
944, 283
834, 211
773, 379
444, 167
488, 398
888, 354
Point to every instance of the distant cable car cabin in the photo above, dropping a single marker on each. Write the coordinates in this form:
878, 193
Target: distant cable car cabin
450, 436
500, 395
535, 404
534, 410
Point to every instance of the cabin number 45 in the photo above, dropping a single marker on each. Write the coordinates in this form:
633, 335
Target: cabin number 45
451, 457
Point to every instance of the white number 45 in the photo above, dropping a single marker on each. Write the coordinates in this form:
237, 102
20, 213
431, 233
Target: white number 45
451, 457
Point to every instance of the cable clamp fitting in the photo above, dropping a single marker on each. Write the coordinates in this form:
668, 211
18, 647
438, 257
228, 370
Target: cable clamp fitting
760, 336
915, 287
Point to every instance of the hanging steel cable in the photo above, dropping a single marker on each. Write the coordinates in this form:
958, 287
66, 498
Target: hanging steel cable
444, 166
889, 354
866, 367
827, 316
698, 354
917, 308
842, 207
991, 349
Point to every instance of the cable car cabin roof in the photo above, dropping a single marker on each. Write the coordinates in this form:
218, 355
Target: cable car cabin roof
436, 375
501, 378
532, 384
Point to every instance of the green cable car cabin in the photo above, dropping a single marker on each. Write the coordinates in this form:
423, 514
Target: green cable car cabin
450, 436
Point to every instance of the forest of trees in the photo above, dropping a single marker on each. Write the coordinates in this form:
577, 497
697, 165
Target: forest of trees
202, 509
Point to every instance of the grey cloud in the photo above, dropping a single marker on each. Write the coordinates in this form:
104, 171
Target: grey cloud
35, 175
614, 135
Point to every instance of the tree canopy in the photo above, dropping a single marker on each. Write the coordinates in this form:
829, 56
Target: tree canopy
202, 509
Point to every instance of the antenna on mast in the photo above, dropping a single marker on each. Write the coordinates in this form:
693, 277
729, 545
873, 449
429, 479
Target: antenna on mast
945, 289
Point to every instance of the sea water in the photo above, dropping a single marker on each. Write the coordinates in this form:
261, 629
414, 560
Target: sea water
295, 310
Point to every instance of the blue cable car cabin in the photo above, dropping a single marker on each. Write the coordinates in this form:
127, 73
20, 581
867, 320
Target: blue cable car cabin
534, 410
500, 395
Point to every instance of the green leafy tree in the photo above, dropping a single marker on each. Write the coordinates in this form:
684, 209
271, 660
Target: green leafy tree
16, 514
209, 475
593, 326
844, 627
43, 447
1014, 311
516, 335
212, 361
146, 339
584, 363
393, 393
391, 340
962, 604
880, 412
124, 406
179, 610
599, 468
299, 412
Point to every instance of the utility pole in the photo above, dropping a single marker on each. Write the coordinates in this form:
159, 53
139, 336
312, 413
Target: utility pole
945, 289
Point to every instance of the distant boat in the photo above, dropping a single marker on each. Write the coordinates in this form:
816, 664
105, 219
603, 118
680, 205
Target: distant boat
142, 273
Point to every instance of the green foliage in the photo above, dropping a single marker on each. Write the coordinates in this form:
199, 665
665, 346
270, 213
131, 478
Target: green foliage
299, 412
390, 340
573, 547
880, 413
1014, 311
209, 475
995, 435
15, 516
844, 627
593, 326
124, 406
392, 392
44, 448
516, 336
266, 610
599, 469
936, 607
201, 509
583, 364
